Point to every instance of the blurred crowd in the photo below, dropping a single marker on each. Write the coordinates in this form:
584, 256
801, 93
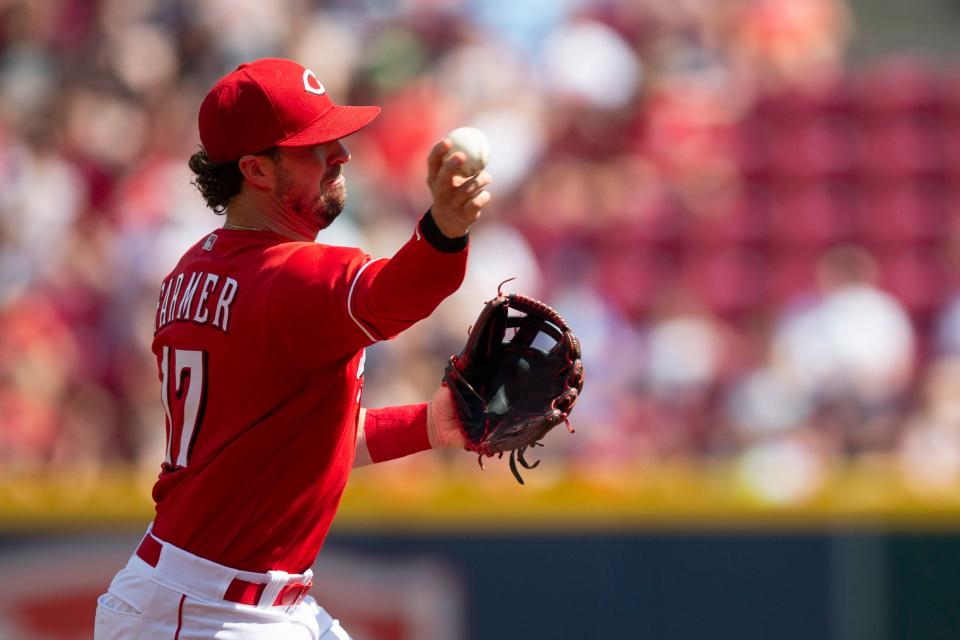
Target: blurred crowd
755, 240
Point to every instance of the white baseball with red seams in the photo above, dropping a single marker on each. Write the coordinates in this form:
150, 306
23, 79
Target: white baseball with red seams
475, 144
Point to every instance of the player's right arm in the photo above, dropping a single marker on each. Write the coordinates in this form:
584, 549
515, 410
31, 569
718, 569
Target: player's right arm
389, 296
329, 302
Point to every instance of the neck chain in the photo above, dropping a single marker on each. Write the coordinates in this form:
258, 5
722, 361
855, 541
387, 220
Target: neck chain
230, 225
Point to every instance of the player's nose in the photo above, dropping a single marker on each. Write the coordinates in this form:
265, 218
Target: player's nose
339, 155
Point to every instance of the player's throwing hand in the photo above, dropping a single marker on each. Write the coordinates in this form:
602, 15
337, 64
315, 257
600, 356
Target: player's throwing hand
457, 199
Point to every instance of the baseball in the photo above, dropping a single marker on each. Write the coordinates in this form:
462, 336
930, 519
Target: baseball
475, 144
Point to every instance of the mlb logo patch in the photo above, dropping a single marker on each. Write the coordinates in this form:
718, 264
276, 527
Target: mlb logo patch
208, 243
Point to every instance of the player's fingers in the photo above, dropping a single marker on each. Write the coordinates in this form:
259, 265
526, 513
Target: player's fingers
449, 170
476, 203
472, 187
435, 159
477, 182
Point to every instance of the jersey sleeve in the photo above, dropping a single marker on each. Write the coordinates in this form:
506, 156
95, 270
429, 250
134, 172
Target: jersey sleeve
329, 302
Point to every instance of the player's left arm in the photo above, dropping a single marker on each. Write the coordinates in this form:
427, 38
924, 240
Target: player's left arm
394, 432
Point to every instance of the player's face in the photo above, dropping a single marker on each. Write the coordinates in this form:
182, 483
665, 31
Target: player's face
310, 183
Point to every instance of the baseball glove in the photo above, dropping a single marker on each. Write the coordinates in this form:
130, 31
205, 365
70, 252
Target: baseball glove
517, 377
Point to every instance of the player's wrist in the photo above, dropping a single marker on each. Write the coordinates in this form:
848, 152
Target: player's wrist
441, 235
395, 432
433, 434
443, 430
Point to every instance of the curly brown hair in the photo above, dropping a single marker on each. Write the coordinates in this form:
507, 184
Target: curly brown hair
218, 182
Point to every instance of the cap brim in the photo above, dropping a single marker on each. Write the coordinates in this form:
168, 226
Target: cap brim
336, 122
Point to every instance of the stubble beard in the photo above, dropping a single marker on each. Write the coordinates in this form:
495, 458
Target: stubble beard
330, 204
318, 211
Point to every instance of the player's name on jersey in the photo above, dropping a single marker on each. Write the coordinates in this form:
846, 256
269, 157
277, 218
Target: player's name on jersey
199, 297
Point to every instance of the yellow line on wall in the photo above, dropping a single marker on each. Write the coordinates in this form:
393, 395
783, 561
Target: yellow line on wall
417, 497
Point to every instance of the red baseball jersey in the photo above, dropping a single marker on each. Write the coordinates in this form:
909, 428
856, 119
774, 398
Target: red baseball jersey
260, 345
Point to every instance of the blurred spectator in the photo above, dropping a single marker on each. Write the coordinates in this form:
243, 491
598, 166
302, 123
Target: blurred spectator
850, 337
849, 350
784, 470
948, 329
790, 41
929, 448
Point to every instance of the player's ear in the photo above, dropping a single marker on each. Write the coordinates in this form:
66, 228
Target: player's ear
258, 170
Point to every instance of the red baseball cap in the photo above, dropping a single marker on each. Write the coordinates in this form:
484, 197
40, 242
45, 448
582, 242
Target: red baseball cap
273, 102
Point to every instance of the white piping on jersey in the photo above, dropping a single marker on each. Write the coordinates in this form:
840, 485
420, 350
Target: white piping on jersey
356, 278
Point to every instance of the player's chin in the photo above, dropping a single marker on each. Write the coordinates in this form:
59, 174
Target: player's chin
326, 220
327, 212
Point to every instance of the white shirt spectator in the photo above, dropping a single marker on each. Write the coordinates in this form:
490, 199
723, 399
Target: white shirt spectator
856, 337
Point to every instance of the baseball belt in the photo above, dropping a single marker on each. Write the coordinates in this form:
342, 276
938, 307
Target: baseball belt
239, 591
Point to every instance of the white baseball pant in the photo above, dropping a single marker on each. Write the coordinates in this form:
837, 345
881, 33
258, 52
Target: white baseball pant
166, 593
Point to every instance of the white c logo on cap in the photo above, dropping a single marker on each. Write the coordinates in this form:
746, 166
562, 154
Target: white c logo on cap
319, 90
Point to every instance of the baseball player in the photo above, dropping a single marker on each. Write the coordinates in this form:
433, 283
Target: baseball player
260, 337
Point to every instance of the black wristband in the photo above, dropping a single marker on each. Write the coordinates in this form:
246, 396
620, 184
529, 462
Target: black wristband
431, 232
